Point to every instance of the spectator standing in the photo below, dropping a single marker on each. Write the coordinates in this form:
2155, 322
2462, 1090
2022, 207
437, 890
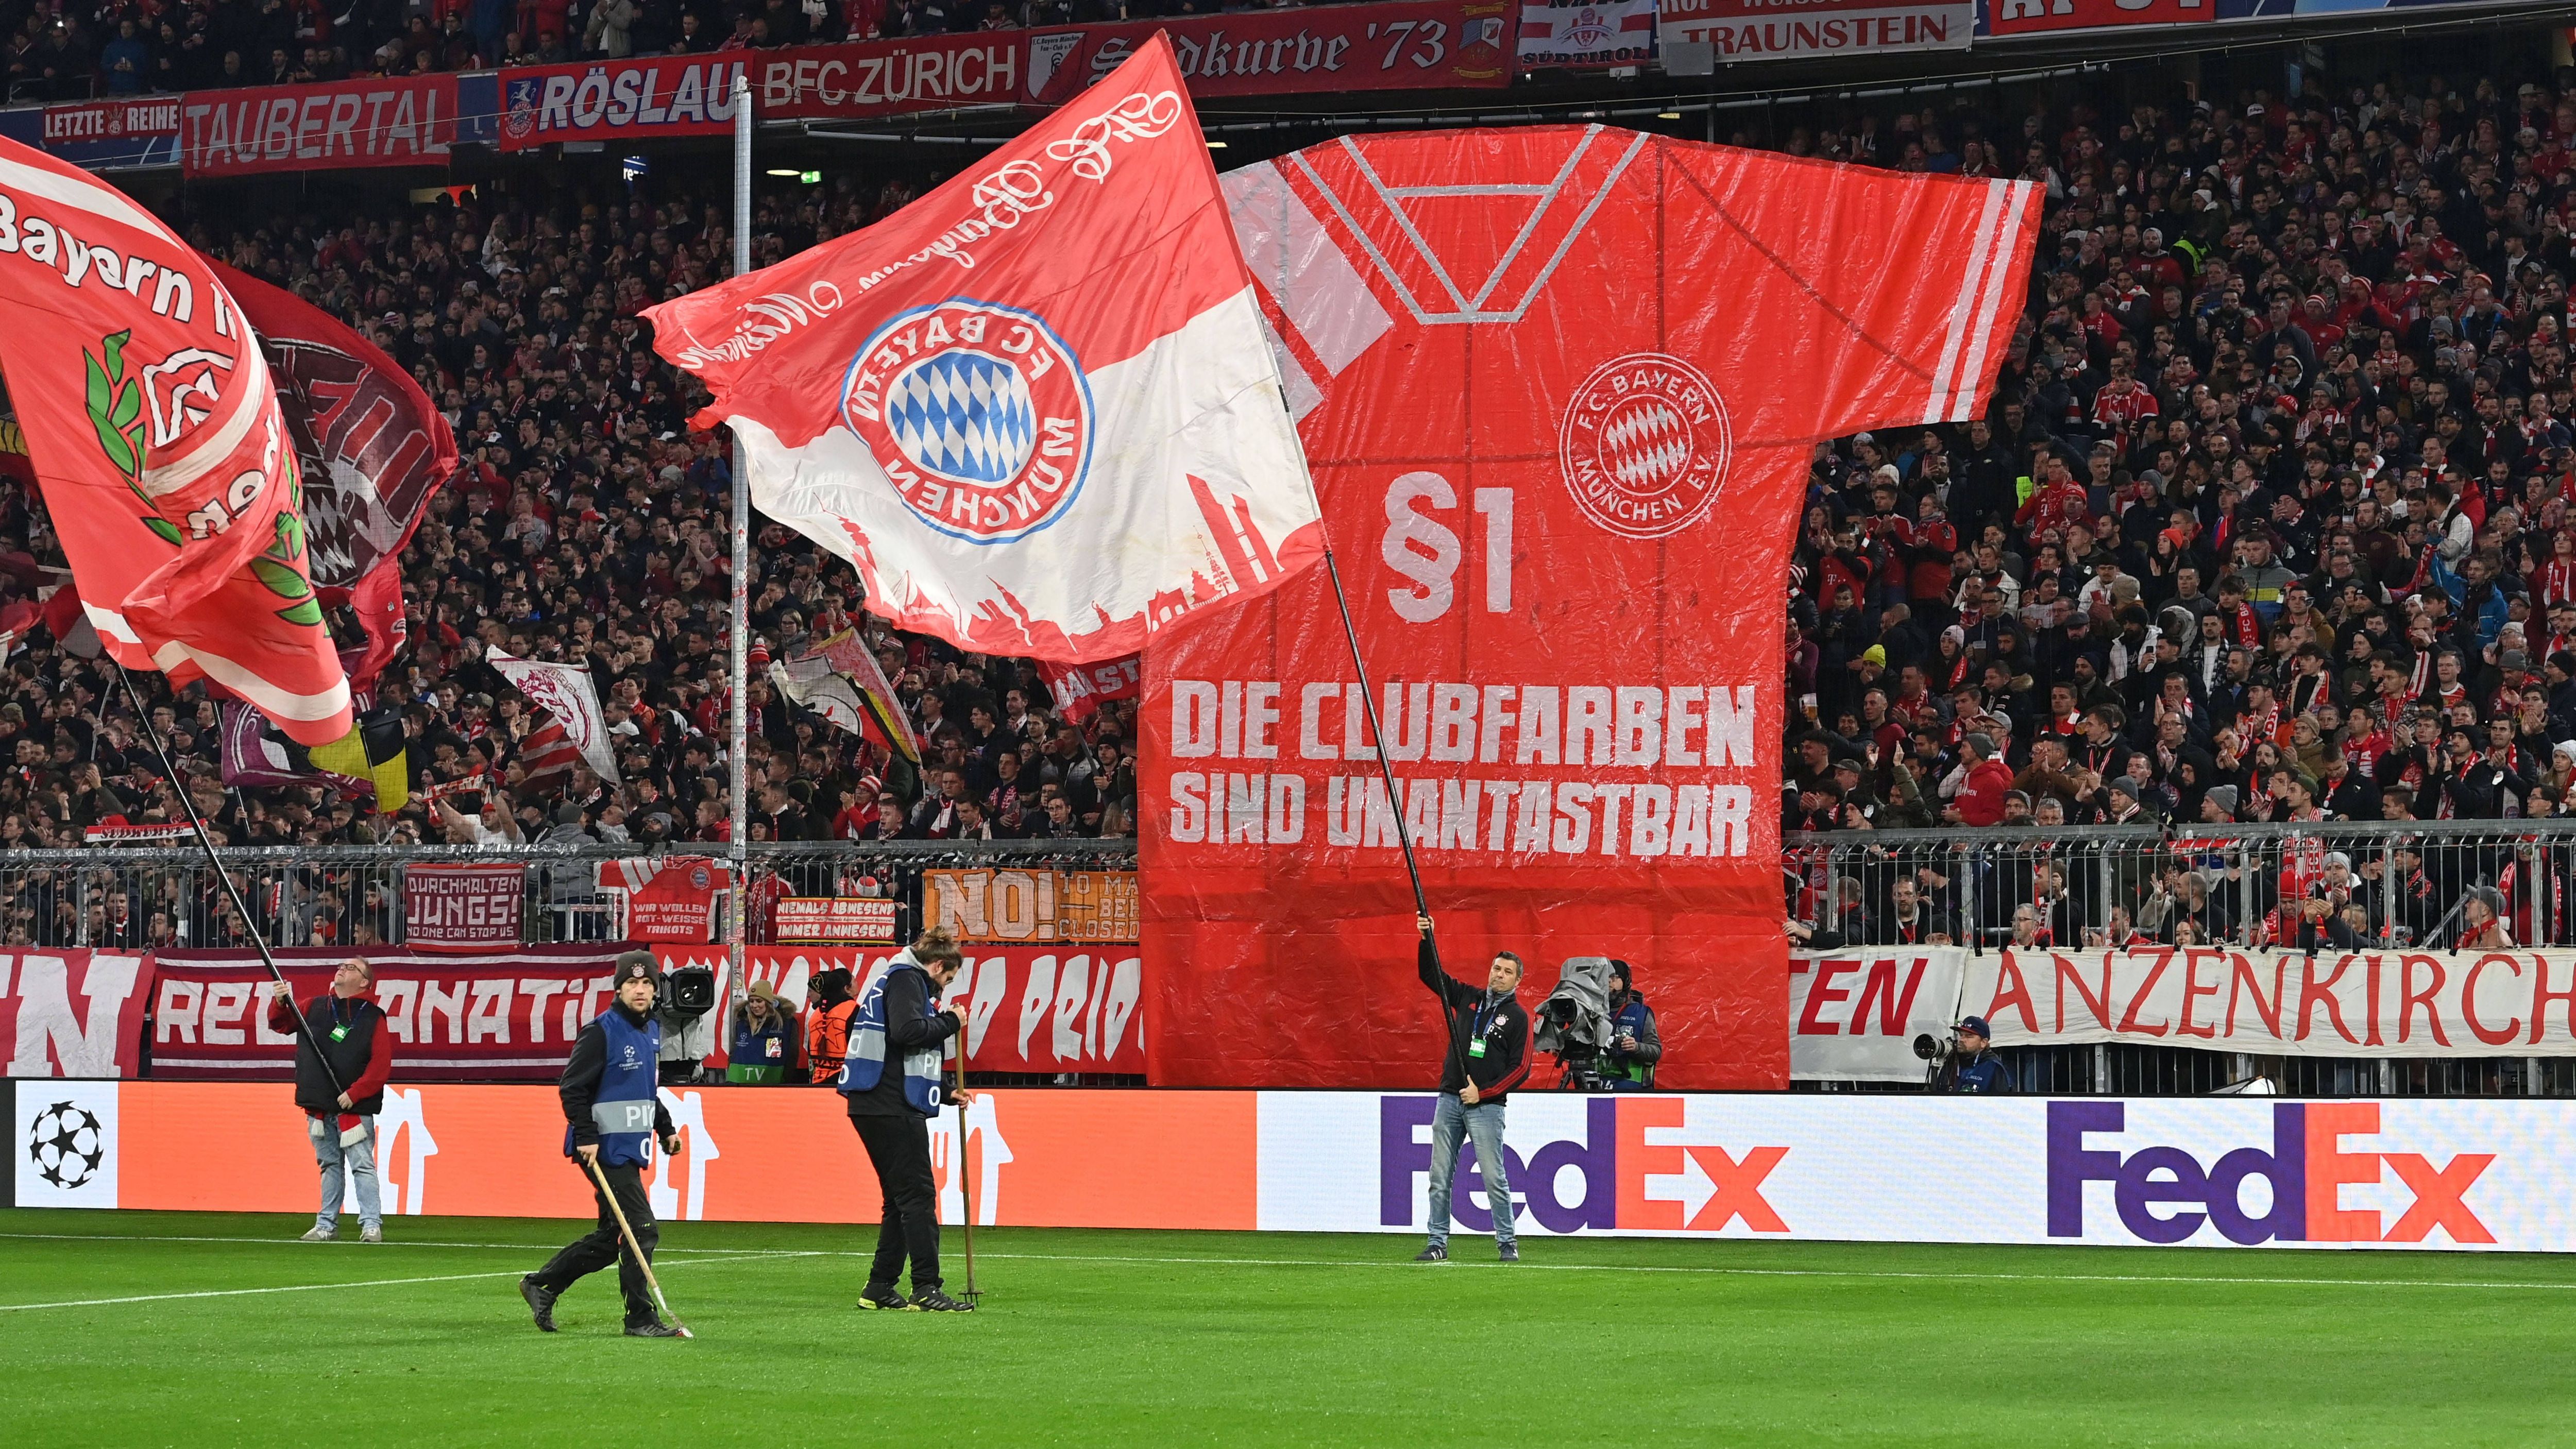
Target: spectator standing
341, 1029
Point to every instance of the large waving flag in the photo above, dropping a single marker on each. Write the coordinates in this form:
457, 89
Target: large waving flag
164, 460
1036, 408
370, 448
841, 681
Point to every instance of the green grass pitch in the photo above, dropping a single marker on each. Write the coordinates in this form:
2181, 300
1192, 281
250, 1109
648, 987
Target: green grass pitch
205, 1330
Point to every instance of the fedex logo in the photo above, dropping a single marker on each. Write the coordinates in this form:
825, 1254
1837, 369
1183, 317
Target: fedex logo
2164, 1194
1626, 1171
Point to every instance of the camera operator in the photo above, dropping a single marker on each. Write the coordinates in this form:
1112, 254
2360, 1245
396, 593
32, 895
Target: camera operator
1974, 1069
1487, 1056
1629, 1065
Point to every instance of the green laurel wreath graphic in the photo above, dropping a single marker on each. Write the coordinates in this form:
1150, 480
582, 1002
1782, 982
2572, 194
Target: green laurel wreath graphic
116, 412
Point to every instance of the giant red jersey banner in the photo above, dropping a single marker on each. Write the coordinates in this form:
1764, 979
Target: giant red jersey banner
1034, 408
1417, 45
166, 464
385, 121
1559, 389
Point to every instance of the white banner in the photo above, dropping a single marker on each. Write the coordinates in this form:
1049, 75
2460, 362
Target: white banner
2170, 1171
1577, 33
2281, 1003
1853, 1015
564, 691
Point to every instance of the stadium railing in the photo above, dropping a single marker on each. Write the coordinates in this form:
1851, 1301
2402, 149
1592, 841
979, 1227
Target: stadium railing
349, 896
2227, 882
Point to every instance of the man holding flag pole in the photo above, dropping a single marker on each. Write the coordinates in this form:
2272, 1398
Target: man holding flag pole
167, 469
1037, 409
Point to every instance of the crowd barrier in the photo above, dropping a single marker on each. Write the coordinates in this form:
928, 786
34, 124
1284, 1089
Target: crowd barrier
2200, 1173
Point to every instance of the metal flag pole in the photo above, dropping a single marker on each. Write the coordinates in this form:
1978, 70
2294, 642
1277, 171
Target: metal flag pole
965, 1173
232, 892
740, 752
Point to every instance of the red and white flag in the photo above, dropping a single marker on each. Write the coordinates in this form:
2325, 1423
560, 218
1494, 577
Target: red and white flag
547, 755
565, 693
157, 439
1036, 408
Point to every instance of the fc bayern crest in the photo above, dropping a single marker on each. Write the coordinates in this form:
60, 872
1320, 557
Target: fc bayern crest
1645, 445
979, 414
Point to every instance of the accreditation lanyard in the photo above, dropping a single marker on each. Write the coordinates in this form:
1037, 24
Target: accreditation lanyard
340, 1029
1480, 1023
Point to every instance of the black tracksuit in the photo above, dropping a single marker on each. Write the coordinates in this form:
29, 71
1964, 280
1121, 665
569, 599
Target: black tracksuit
603, 1244
898, 1142
1506, 1029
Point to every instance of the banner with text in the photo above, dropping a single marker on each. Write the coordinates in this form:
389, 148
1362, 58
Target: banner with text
504, 1015
388, 121
990, 904
1854, 1015
463, 907
106, 135
1079, 690
1419, 45
2033, 17
850, 919
1742, 30
618, 100
1576, 33
1030, 1008
71, 1012
1540, 390
2281, 1003
889, 77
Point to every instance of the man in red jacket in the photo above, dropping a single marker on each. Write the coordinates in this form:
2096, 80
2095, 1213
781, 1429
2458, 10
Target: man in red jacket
346, 1024
1980, 801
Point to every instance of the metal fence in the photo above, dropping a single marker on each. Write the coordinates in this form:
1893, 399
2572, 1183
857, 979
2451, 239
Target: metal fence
2419, 884
354, 895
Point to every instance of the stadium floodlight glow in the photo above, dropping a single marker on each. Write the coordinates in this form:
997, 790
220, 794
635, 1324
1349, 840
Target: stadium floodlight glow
1668, 115
1216, 145
785, 171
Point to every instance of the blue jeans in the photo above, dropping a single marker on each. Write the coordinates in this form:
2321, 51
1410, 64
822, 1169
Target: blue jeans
360, 1160
1451, 1121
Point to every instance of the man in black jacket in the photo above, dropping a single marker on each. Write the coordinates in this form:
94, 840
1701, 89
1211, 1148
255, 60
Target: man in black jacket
1488, 1056
891, 1080
341, 1102
606, 1085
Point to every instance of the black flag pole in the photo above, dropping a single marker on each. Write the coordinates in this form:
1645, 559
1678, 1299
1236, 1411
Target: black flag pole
205, 842
1368, 698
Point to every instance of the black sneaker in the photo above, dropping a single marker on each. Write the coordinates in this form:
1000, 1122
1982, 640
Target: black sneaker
653, 1328
885, 1298
1436, 1253
931, 1300
541, 1302
1511, 1252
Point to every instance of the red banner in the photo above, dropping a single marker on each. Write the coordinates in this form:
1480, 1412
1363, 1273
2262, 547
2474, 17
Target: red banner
890, 77
1554, 418
1080, 690
1029, 1008
71, 1013
463, 907
505, 1016
618, 100
2031, 17
398, 121
1420, 46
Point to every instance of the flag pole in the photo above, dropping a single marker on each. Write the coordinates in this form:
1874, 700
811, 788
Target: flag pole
740, 751
206, 843
1368, 700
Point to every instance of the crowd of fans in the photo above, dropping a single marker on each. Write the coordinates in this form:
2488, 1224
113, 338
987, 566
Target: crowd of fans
2269, 520
58, 51
589, 525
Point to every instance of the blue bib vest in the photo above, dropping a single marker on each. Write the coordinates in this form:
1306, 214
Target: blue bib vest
628, 1088
865, 1065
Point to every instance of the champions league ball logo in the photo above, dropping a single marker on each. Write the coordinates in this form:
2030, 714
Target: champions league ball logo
979, 415
66, 1144
1645, 445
